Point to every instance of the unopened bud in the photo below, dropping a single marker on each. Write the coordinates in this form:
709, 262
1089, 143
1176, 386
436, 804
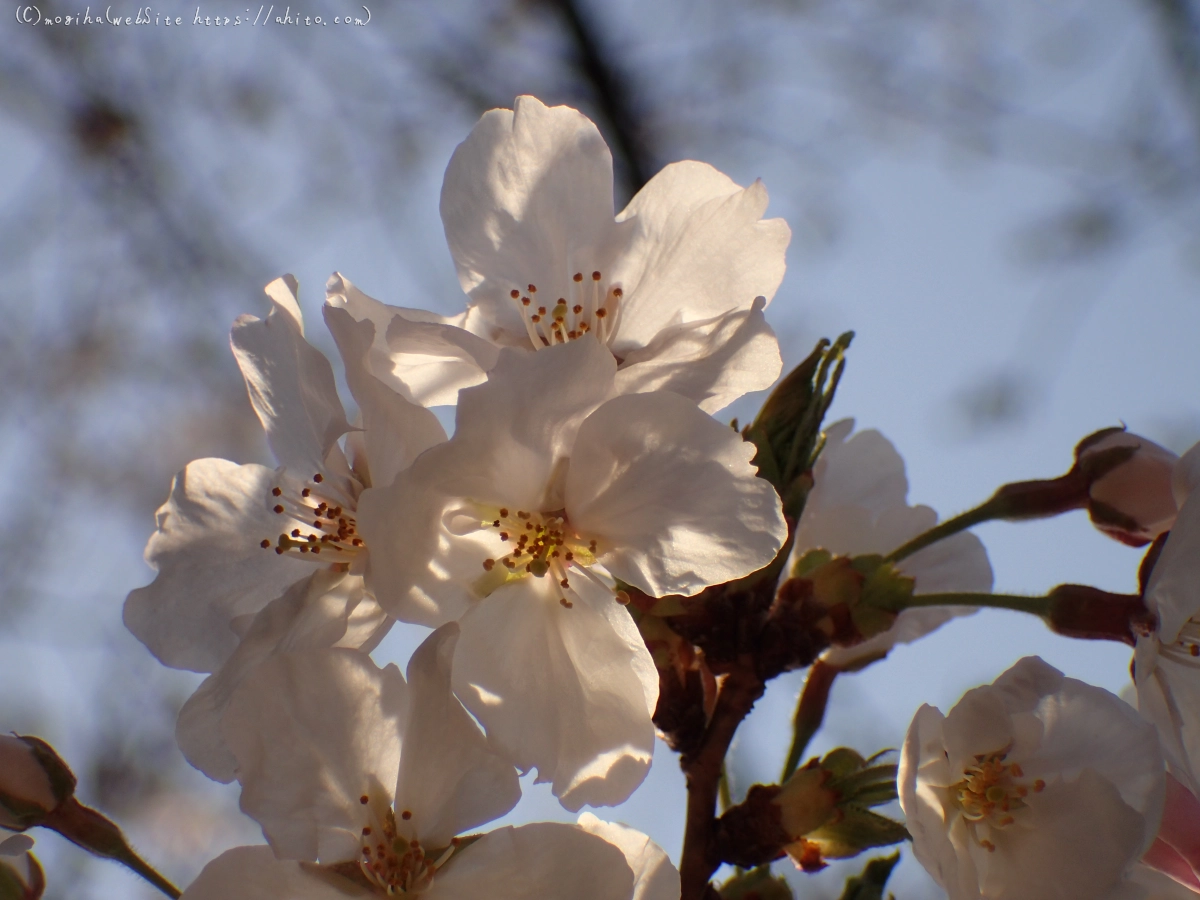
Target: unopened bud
21, 877
805, 801
1133, 501
27, 793
821, 812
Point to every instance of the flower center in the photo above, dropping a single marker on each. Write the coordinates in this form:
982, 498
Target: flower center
321, 520
538, 544
392, 863
990, 792
592, 307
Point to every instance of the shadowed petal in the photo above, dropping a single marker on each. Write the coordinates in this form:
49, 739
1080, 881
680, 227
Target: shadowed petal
290, 382
211, 568
568, 691
327, 609
546, 860
712, 362
671, 496
313, 732
450, 780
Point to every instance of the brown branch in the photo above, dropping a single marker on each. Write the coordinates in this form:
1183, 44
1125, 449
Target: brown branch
613, 95
739, 691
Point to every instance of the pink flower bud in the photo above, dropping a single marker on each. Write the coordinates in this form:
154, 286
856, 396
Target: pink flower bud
25, 789
1133, 502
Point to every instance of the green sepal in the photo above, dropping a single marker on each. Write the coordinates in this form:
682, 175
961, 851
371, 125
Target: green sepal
870, 884
757, 884
858, 829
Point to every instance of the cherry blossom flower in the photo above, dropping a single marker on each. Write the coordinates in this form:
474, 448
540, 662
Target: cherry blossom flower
1036, 786
674, 285
551, 490
1167, 657
859, 505
234, 541
363, 782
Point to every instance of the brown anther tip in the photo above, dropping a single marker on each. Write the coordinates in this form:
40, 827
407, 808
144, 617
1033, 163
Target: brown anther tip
363, 799
495, 523
366, 830
618, 293
504, 535
279, 550
278, 509
295, 532
503, 512
277, 492
406, 815
525, 301
577, 309
541, 310
318, 478
578, 276
595, 276
265, 543
488, 564
601, 313
565, 583
565, 603
532, 288
535, 318
306, 492
514, 293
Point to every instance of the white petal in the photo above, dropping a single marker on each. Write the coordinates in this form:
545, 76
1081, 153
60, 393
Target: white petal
670, 495
312, 732
1169, 696
396, 430
290, 382
211, 568
712, 362
1173, 593
512, 434
922, 769
253, 873
1085, 728
568, 691
327, 609
654, 877
528, 199
525, 418
422, 356
700, 248
1079, 840
436, 360
865, 471
546, 860
450, 780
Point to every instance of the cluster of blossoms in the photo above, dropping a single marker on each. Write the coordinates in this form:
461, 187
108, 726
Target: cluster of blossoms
599, 559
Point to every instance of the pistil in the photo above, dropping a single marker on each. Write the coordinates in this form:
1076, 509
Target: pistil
991, 792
